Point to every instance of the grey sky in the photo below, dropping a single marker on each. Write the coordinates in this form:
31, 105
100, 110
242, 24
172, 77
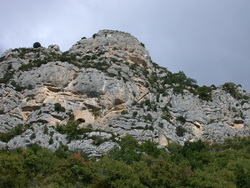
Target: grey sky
207, 39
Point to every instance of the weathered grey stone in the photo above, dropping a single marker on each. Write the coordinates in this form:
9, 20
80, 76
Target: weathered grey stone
115, 43
103, 135
37, 135
8, 122
56, 73
106, 146
54, 48
2, 145
88, 147
219, 132
127, 97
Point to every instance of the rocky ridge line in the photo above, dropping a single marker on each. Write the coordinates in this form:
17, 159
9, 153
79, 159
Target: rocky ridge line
105, 87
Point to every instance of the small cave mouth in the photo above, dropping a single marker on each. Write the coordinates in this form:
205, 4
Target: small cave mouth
81, 120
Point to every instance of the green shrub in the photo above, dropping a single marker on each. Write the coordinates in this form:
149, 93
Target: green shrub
7, 76
197, 146
36, 45
103, 66
134, 103
150, 148
128, 150
149, 127
45, 130
124, 112
35, 63
72, 130
148, 117
143, 45
97, 140
161, 125
180, 131
39, 62
205, 93
167, 116
71, 116
51, 141
232, 89
135, 114
26, 67
2, 58
29, 87
96, 113
181, 119
133, 66
59, 108
9, 67
162, 91
110, 74
16, 86
178, 89
33, 136
179, 78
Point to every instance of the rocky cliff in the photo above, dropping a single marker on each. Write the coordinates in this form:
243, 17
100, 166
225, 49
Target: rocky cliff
103, 88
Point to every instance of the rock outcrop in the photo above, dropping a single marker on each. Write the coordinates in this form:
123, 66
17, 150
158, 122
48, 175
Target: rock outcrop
107, 86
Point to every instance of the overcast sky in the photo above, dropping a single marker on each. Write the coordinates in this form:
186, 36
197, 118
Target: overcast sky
207, 39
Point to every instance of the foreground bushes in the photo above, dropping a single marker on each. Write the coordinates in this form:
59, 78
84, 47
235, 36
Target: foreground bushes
131, 165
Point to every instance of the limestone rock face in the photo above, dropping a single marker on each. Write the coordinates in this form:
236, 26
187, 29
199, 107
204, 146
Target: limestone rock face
107, 87
57, 74
111, 43
54, 48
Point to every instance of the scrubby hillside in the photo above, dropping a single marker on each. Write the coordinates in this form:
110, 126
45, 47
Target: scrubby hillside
106, 87
132, 165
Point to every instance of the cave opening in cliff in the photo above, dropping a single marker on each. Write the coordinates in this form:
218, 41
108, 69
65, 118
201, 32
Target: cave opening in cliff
81, 120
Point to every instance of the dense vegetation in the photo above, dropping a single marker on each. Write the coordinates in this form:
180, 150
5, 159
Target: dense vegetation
195, 164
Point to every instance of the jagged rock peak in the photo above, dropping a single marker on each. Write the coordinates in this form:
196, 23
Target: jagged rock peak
114, 44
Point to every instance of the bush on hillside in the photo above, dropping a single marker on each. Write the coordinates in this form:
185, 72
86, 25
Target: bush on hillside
36, 45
